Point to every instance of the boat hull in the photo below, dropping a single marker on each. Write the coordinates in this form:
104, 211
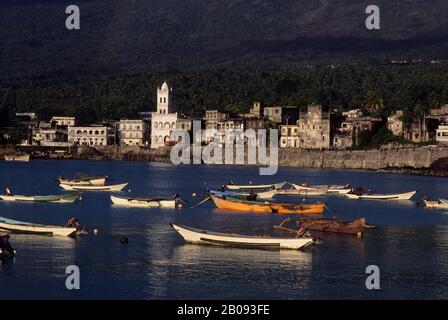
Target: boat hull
255, 187
204, 237
143, 203
398, 196
22, 158
331, 189
278, 208
19, 227
65, 198
438, 204
101, 181
302, 192
109, 188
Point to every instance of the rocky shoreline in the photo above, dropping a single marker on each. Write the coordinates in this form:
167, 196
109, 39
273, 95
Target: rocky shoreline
424, 161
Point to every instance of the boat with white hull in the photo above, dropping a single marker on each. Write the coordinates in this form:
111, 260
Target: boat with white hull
19, 158
204, 237
436, 204
256, 186
332, 188
262, 195
14, 226
87, 181
144, 202
303, 192
63, 198
397, 196
109, 188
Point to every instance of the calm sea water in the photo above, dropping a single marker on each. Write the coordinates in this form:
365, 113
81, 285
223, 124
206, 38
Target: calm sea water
410, 245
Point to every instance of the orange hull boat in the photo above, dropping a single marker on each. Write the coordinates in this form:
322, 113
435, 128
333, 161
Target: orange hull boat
265, 207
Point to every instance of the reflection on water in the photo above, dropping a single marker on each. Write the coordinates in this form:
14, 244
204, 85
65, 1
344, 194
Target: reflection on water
409, 245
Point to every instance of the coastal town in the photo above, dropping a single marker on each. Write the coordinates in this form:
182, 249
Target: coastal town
311, 127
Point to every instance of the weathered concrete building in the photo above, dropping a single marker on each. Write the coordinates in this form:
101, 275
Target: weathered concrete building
314, 128
289, 136
396, 124
282, 115
133, 132
94, 135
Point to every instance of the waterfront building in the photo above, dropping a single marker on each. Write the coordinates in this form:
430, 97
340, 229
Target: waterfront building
63, 121
289, 136
284, 115
442, 134
164, 120
314, 128
257, 109
395, 123
212, 118
94, 135
133, 132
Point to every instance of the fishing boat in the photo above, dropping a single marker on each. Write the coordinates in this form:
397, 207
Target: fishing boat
303, 192
233, 204
84, 181
332, 188
16, 157
110, 188
396, 196
14, 226
62, 198
245, 195
255, 186
353, 227
436, 204
146, 202
197, 236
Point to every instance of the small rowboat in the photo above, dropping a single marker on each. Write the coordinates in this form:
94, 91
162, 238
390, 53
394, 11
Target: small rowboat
14, 226
353, 227
266, 207
436, 204
255, 186
244, 195
145, 202
303, 192
110, 188
398, 196
332, 188
63, 198
20, 158
87, 181
196, 236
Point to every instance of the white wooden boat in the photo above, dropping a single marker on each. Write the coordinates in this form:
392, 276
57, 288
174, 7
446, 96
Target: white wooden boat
20, 158
144, 202
332, 188
14, 226
436, 204
88, 181
303, 192
110, 188
263, 195
197, 236
63, 198
397, 196
255, 186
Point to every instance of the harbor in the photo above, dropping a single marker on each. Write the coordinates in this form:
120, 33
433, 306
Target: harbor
408, 241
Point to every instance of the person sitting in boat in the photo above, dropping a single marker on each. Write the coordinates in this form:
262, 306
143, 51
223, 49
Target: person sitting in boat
358, 191
175, 196
8, 191
5, 245
252, 196
73, 222
223, 188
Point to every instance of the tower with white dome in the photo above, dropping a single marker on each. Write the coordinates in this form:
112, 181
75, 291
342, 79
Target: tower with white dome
164, 99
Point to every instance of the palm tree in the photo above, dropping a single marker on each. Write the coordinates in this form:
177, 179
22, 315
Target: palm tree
373, 101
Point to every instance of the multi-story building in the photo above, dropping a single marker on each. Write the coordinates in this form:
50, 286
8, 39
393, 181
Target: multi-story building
63, 121
94, 135
212, 118
289, 136
133, 132
396, 124
314, 128
164, 120
442, 134
284, 115
257, 109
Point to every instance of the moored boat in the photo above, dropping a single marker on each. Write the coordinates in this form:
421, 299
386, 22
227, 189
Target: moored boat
17, 157
256, 186
62, 198
353, 227
392, 196
228, 203
436, 204
145, 202
197, 236
303, 192
332, 188
269, 194
110, 188
84, 181
14, 226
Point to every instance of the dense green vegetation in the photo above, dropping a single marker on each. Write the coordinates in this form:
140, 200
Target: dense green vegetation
414, 88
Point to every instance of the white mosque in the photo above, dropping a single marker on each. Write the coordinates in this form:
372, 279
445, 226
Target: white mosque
163, 121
